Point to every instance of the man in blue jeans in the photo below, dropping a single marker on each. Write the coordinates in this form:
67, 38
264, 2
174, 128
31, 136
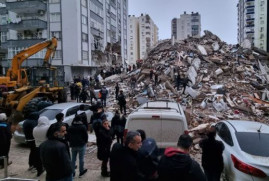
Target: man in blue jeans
78, 138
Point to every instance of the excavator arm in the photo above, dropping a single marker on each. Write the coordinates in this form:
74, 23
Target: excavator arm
14, 72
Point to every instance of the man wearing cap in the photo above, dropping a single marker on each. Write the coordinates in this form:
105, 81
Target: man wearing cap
5, 138
176, 163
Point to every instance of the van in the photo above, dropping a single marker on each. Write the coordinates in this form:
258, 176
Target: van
162, 120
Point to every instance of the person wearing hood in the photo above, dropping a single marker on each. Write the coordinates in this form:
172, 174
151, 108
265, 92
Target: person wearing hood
176, 163
78, 139
212, 160
5, 138
40, 135
28, 126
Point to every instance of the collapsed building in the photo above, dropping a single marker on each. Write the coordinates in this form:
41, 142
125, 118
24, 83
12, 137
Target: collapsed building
228, 81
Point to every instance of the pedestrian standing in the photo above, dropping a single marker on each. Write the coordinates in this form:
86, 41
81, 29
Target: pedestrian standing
78, 139
122, 102
92, 94
97, 118
104, 93
40, 135
81, 112
117, 126
123, 159
5, 139
156, 78
176, 163
133, 82
151, 74
212, 160
54, 155
72, 90
77, 92
28, 127
178, 80
104, 140
84, 95
117, 88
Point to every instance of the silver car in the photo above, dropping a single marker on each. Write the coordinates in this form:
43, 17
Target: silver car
68, 109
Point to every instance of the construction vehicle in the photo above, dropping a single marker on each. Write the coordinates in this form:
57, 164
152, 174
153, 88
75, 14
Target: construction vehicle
24, 84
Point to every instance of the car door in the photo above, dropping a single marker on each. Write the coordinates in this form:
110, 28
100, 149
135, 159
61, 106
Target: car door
224, 135
70, 114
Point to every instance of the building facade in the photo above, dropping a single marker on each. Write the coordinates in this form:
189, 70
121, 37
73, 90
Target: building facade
253, 22
90, 33
188, 25
143, 34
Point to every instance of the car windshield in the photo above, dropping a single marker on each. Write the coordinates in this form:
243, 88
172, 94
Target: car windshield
254, 143
50, 113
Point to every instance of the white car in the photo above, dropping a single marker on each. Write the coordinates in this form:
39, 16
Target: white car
246, 153
68, 109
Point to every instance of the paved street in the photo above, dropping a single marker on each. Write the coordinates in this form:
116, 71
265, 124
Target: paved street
19, 157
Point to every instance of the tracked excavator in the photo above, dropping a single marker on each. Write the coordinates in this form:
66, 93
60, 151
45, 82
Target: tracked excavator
26, 85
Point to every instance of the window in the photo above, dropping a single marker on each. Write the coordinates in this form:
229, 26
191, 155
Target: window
56, 34
224, 133
85, 55
55, 17
84, 3
54, 1
3, 36
58, 54
72, 111
84, 20
84, 37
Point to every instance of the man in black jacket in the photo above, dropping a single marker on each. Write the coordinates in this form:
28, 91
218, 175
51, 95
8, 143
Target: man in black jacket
122, 102
212, 160
5, 137
54, 155
176, 163
78, 138
28, 126
123, 159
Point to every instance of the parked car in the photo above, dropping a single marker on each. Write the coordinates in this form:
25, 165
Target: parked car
246, 153
162, 120
68, 109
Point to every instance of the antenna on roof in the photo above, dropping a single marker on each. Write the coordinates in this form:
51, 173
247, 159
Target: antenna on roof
259, 130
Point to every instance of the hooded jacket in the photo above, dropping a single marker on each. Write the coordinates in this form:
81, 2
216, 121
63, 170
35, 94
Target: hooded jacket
78, 135
178, 166
40, 131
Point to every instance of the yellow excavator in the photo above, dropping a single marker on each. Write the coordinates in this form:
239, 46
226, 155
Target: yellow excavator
24, 84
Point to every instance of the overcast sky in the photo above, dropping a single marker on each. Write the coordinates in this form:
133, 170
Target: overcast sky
217, 16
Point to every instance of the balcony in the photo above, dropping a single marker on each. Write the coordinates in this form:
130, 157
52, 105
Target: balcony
20, 43
31, 24
3, 11
31, 7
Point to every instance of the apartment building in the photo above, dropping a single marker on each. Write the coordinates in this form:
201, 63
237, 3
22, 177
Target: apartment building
188, 25
253, 22
143, 34
90, 33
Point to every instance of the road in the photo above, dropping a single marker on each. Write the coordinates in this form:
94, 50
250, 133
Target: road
19, 156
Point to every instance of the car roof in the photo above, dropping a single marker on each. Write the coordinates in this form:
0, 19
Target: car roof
248, 126
160, 105
63, 105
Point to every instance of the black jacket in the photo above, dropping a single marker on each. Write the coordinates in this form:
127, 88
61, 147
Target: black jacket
28, 126
5, 137
55, 159
103, 140
78, 135
123, 164
212, 154
121, 99
177, 166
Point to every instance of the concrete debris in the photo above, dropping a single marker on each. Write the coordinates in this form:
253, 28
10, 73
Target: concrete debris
225, 81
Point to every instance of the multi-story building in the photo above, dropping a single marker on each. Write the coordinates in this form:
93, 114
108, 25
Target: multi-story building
253, 22
188, 25
143, 34
90, 33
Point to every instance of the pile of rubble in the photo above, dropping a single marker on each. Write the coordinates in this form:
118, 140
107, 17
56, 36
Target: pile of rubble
228, 82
